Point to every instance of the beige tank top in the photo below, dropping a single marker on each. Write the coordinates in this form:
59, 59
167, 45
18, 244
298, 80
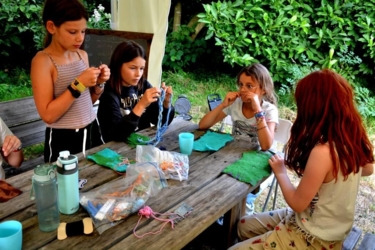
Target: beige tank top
81, 113
330, 215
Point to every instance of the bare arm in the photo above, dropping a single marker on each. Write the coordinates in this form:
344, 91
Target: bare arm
212, 117
368, 169
266, 133
318, 166
49, 109
42, 75
10, 151
217, 114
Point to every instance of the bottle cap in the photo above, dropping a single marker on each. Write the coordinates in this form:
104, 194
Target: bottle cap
43, 173
64, 154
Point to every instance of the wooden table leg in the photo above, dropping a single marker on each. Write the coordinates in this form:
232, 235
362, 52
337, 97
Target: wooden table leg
230, 222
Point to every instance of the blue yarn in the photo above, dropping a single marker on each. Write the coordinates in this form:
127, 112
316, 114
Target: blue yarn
160, 129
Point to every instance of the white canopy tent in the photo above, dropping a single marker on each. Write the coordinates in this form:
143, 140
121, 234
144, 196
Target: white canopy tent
147, 16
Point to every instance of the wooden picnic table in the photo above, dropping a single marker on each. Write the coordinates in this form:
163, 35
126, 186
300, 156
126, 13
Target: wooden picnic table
210, 193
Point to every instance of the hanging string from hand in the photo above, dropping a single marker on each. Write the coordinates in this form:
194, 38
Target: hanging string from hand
160, 129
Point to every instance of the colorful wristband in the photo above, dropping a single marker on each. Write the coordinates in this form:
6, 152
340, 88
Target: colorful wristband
75, 93
259, 114
79, 86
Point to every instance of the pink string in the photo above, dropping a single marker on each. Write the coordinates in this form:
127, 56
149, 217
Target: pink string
147, 212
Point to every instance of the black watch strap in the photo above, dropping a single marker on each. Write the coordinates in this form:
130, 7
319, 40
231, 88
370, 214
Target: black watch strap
75, 93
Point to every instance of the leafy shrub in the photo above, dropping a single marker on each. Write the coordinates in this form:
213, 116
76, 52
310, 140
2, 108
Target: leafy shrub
14, 84
181, 51
20, 24
280, 32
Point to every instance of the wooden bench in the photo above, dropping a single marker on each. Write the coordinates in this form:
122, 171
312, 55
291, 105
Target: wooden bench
368, 242
22, 118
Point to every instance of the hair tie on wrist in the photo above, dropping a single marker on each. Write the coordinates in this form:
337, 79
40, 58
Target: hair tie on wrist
262, 128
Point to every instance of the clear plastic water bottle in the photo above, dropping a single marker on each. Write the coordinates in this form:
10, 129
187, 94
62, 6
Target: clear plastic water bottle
67, 179
44, 191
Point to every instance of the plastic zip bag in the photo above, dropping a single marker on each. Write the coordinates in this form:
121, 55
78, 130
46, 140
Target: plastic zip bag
116, 200
174, 165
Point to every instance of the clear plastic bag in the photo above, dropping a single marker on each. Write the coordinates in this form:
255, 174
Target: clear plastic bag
117, 200
174, 165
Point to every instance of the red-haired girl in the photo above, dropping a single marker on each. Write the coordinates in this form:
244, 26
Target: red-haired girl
330, 151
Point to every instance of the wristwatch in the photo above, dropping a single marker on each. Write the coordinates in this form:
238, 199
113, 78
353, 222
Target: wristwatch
75, 92
79, 86
100, 85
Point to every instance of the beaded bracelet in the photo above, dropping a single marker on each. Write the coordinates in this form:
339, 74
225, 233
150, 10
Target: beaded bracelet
259, 114
262, 128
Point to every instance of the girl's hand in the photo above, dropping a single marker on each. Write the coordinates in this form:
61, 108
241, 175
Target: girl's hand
104, 74
151, 95
168, 94
230, 98
11, 143
277, 164
89, 77
253, 99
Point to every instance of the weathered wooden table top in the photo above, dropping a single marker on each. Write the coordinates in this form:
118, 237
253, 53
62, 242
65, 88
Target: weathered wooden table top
206, 190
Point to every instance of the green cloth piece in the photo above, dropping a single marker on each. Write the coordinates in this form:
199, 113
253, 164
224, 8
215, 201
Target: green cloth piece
136, 139
109, 158
211, 141
251, 168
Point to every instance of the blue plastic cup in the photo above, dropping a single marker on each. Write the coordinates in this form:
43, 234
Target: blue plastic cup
11, 235
186, 141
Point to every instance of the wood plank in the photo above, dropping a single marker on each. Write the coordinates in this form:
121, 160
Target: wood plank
368, 242
95, 174
208, 205
201, 174
230, 221
18, 111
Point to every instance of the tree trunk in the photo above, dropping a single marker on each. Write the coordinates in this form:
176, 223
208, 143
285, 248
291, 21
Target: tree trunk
177, 17
198, 27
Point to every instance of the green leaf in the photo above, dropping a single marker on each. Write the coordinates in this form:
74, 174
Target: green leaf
218, 41
238, 15
293, 19
288, 7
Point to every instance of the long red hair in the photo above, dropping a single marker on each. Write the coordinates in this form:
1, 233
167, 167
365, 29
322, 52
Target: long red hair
326, 113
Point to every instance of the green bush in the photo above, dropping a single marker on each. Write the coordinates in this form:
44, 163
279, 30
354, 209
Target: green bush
21, 31
181, 51
279, 33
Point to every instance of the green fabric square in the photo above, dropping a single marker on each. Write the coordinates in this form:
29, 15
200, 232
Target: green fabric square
211, 141
251, 168
111, 159
136, 139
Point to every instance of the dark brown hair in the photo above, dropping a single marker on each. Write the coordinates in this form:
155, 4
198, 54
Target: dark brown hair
61, 11
123, 53
326, 113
